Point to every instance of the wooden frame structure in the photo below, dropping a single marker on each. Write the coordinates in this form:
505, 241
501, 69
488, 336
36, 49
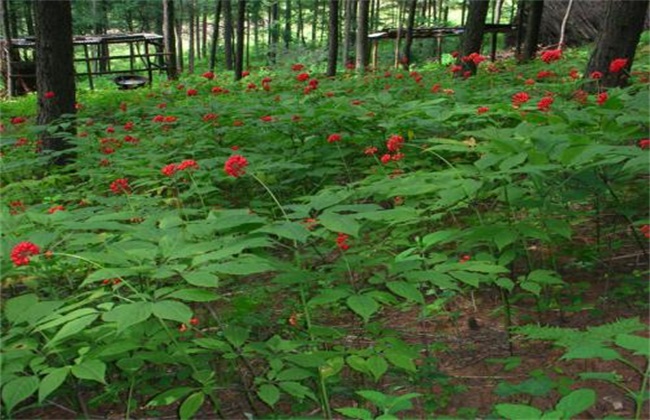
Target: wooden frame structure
438, 34
146, 54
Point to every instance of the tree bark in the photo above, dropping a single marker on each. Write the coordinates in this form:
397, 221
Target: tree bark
362, 35
169, 39
410, 23
347, 29
533, 23
190, 53
287, 25
215, 36
239, 56
623, 24
227, 33
473, 35
54, 54
274, 31
333, 40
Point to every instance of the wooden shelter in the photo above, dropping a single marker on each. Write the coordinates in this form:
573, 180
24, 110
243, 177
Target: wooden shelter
145, 54
439, 34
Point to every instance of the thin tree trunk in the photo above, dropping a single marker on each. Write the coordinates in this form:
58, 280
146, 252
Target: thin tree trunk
409, 32
287, 25
398, 38
363, 12
300, 36
333, 41
190, 53
204, 38
227, 33
347, 29
29, 19
178, 27
239, 56
169, 39
215, 36
560, 44
274, 31
314, 22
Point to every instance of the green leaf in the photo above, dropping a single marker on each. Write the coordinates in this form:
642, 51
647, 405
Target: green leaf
328, 296
612, 377
71, 328
93, 370
269, 393
377, 366
441, 236
194, 295
504, 237
531, 287
339, 223
640, 346
191, 405
297, 390
294, 374
576, 402
406, 290
172, 310
14, 308
129, 314
235, 335
472, 279
108, 273
357, 363
18, 390
355, 413
51, 382
130, 364
518, 411
332, 367
544, 277
201, 278
589, 351
400, 359
505, 283
375, 397
170, 396
57, 319
363, 305
244, 265
289, 230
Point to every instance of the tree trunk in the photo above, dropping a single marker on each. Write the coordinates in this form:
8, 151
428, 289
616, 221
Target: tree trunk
409, 33
287, 25
54, 54
533, 23
169, 39
333, 40
473, 35
347, 31
178, 28
215, 36
314, 22
227, 33
204, 35
190, 53
29, 19
362, 35
274, 31
300, 35
239, 56
623, 24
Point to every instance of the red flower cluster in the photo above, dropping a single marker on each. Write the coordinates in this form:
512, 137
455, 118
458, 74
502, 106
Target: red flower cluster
595, 75
18, 120
645, 229
16, 207
617, 65
165, 119
341, 242
121, 186
574, 74
208, 75
49, 95
482, 110
20, 253
192, 92
172, 168
551, 56
602, 98
297, 67
644, 144
545, 103
218, 89
313, 85
519, 99
394, 143
370, 150
235, 166
544, 74
54, 209
475, 58
333, 138
267, 118
209, 117
302, 77
464, 258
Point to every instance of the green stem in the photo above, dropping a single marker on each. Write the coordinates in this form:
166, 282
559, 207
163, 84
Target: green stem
130, 397
640, 397
275, 199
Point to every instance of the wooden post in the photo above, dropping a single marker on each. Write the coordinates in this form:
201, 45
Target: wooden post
89, 69
375, 54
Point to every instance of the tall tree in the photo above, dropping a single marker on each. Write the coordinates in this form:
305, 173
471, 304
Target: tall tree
287, 24
239, 53
169, 38
347, 29
533, 23
190, 53
215, 36
227, 33
474, 28
363, 13
410, 23
274, 31
333, 41
55, 81
623, 24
